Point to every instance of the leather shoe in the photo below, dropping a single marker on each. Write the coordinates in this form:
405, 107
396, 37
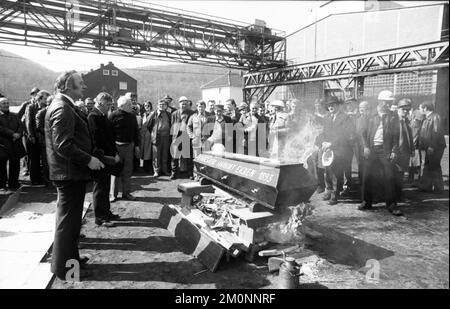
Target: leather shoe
156, 175
333, 201
103, 222
327, 196
319, 190
112, 216
128, 197
173, 176
365, 206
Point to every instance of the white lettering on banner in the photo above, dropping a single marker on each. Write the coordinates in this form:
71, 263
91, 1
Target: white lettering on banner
245, 171
265, 177
240, 170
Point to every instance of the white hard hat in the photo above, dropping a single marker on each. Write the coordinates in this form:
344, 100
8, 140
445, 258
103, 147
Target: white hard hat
183, 98
327, 158
218, 148
278, 103
386, 95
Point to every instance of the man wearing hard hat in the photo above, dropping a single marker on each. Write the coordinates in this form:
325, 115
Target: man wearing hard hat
380, 139
387, 97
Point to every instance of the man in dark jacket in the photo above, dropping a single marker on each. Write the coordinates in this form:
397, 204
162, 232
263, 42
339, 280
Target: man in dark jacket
11, 131
69, 148
222, 128
380, 139
102, 133
20, 114
159, 126
360, 126
405, 145
180, 139
35, 153
126, 132
338, 135
40, 137
432, 142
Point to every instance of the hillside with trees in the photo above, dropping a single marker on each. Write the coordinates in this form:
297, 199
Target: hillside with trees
175, 80
18, 75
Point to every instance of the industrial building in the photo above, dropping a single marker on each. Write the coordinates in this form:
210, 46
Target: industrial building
110, 79
346, 28
223, 87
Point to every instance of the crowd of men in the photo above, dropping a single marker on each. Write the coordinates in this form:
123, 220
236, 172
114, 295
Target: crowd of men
66, 142
387, 144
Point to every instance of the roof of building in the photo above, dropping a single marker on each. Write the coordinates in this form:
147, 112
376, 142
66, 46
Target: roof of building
226, 80
109, 66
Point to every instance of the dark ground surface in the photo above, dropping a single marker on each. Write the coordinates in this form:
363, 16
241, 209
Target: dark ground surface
137, 253
412, 251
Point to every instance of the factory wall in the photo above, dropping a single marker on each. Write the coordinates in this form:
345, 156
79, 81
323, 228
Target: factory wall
220, 95
342, 35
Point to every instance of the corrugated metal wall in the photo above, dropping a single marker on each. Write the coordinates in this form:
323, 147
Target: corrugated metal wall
356, 33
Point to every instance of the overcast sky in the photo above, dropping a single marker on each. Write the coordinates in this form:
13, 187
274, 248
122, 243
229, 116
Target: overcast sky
283, 15
287, 16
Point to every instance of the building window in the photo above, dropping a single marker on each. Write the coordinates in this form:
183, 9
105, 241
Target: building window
220, 90
123, 85
105, 72
114, 73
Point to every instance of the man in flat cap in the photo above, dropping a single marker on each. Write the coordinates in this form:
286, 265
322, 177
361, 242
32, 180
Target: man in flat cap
222, 129
337, 135
181, 148
170, 109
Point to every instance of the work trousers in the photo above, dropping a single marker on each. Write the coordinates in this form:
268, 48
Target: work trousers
359, 155
35, 163
378, 177
334, 176
69, 210
126, 154
348, 180
315, 170
26, 159
179, 162
161, 155
100, 195
12, 175
432, 172
45, 168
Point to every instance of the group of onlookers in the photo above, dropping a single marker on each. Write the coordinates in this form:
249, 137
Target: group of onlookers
387, 144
